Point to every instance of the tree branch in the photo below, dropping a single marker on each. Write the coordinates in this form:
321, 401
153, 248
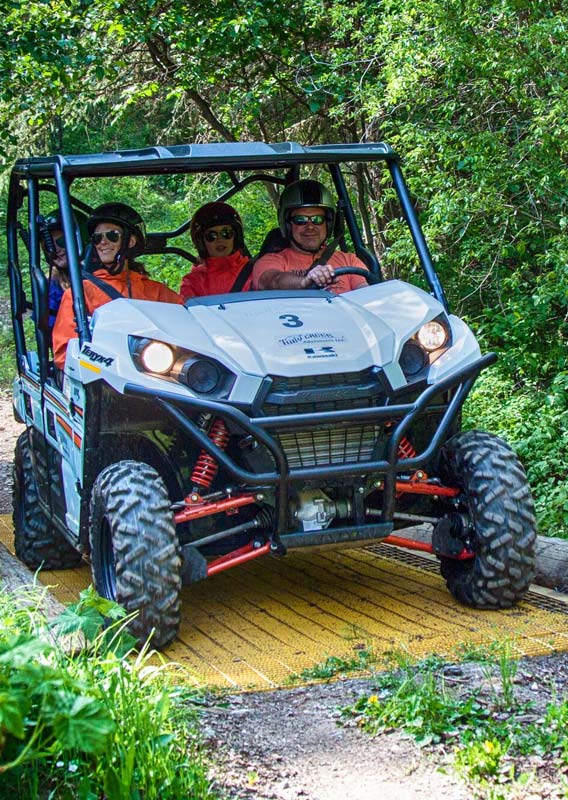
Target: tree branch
158, 49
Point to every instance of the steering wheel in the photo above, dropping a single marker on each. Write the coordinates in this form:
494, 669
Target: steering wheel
370, 277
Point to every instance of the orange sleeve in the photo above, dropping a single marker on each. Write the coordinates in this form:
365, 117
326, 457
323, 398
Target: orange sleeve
164, 294
265, 263
65, 328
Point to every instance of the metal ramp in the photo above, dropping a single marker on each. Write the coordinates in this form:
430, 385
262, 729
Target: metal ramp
254, 626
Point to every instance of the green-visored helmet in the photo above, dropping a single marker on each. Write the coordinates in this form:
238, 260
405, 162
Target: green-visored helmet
305, 194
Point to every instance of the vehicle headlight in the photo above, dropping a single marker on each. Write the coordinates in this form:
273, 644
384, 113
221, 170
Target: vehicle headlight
202, 376
432, 336
412, 358
424, 347
157, 357
152, 355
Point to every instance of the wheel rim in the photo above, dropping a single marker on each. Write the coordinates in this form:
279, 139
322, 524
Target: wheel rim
108, 567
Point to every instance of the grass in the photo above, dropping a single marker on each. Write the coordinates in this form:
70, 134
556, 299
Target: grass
489, 731
84, 716
334, 666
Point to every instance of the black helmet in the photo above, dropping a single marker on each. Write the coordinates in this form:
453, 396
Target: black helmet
217, 213
127, 218
305, 194
54, 222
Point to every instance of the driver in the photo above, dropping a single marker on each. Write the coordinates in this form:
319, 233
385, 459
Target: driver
306, 213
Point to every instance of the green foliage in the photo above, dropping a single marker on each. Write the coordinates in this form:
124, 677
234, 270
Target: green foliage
7, 356
332, 666
472, 96
80, 719
481, 761
534, 421
487, 732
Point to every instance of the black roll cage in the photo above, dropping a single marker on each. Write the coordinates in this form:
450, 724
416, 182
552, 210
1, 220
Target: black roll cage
231, 158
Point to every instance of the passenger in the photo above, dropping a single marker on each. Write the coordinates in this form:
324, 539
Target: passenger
53, 246
217, 233
117, 233
306, 214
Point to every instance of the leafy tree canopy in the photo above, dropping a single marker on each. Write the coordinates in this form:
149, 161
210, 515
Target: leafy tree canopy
472, 95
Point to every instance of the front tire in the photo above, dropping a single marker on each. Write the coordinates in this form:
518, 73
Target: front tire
37, 542
135, 556
497, 498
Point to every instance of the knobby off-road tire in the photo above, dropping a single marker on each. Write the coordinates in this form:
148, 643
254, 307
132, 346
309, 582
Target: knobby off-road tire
38, 543
499, 502
135, 556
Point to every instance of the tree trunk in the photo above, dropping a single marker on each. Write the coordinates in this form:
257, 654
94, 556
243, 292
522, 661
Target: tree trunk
15, 577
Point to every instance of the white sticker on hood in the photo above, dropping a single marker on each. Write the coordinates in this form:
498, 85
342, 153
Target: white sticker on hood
316, 337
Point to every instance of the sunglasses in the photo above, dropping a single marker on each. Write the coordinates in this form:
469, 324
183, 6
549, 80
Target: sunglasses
303, 219
112, 236
60, 242
224, 233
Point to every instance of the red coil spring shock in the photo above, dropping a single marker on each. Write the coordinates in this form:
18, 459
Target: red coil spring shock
206, 467
405, 449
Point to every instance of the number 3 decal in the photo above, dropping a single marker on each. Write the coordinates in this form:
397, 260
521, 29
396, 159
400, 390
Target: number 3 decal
292, 321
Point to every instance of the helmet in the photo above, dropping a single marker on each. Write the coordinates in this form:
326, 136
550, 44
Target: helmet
211, 214
128, 219
54, 222
304, 194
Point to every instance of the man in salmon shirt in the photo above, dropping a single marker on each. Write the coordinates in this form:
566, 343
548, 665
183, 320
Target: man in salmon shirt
117, 232
306, 214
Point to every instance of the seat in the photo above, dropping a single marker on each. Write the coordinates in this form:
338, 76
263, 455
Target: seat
273, 243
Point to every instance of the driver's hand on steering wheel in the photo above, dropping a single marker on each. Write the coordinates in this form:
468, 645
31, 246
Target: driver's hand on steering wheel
322, 275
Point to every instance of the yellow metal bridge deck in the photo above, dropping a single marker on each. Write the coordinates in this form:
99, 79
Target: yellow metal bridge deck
254, 626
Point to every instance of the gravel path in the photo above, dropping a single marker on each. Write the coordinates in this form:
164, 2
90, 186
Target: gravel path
9, 432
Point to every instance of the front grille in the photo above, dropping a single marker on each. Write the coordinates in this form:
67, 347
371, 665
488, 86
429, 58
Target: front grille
299, 382
273, 410
326, 445
309, 393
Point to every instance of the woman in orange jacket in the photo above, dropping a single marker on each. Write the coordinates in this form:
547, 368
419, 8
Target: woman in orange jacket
117, 232
217, 233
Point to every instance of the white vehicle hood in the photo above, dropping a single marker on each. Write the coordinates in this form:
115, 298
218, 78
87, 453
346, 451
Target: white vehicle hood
283, 333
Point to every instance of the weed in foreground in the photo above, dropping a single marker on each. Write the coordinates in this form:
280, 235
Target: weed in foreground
508, 666
79, 719
417, 702
486, 733
332, 666
478, 653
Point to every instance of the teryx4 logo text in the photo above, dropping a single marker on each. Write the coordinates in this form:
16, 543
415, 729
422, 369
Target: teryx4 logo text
96, 358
